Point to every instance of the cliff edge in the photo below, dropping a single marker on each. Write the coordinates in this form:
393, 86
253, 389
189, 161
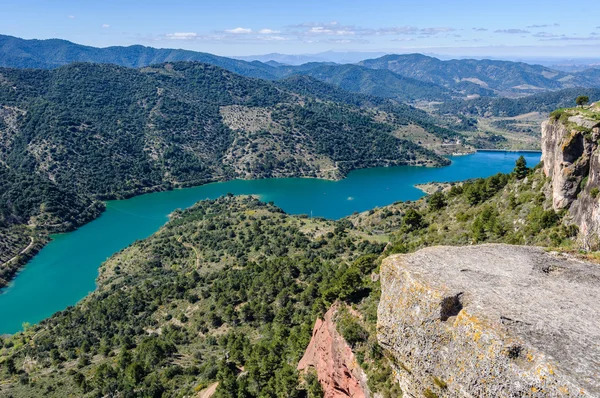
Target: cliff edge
571, 160
491, 321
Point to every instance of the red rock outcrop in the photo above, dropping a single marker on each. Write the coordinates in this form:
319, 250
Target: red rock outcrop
336, 366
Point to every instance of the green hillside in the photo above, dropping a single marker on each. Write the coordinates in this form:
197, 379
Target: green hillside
510, 107
88, 132
229, 289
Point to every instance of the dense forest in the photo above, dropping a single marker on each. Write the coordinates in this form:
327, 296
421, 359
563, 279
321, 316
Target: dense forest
87, 132
228, 291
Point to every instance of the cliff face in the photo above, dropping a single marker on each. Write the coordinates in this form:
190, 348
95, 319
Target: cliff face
491, 321
571, 159
336, 366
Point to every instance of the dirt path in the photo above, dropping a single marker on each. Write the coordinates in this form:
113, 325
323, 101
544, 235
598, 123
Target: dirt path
190, 246
22, 251
208, 391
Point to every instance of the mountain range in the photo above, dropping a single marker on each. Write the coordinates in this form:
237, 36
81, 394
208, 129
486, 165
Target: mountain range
408, 77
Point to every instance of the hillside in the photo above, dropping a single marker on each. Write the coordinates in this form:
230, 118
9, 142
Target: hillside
88, 132
228, 292
510, 107
502, 77
381, 83
48, 54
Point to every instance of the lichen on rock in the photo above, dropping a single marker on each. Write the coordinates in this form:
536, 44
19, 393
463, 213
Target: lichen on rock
491, 321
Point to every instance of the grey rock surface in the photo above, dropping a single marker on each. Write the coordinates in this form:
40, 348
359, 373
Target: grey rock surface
491, 321
566, 156
583, 122
571, 160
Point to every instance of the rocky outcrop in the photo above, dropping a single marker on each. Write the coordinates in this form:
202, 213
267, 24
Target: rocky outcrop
566, 155
491, 321
570, 157
336, 366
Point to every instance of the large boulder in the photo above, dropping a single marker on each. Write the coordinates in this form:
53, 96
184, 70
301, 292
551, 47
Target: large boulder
491, 321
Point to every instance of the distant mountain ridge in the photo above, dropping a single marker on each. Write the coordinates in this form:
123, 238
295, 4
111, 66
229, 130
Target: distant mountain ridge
408, 78
510, 107
499, 76
53, 53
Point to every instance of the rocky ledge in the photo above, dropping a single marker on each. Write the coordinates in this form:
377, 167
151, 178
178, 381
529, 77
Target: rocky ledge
491, 321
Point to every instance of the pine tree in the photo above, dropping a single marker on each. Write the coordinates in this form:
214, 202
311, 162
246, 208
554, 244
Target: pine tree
521, 168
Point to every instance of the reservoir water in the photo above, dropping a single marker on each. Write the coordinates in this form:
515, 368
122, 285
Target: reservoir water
65, 270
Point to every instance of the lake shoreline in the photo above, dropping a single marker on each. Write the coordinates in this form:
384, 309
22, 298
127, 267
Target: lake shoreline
45, 235
66, 268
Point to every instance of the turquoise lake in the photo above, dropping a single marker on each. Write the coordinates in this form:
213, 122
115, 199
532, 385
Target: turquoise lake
65, 270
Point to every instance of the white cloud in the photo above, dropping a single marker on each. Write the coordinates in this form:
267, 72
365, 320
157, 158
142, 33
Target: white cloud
182, 36
239, 31
272, 38
435, 31
543, 26
268, 32
512, 31
545, 34
572, 38
105, 25
71, 16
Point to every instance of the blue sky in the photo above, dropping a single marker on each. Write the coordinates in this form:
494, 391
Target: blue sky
471, 28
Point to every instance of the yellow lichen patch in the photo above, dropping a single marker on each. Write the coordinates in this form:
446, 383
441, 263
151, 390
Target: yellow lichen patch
563, 389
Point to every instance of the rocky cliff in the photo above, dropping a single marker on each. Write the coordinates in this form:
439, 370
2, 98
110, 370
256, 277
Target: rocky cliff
336, 366
491, 321
571, 160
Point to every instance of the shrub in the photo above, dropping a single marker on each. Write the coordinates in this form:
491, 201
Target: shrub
437, 201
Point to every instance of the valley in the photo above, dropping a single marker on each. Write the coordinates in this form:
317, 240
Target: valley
66, 269
175, 223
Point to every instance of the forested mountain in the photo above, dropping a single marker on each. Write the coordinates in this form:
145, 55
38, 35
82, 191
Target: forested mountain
48, 54
53, 53
412, 77
381, 83
509, 107
91, 131
499, 76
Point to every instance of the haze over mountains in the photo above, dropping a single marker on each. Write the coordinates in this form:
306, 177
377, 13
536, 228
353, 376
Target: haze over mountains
409, 77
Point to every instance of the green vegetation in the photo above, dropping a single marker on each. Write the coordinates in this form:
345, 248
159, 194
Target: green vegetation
498, 209
87, 132
376, 82
582, 100
508, 107
160, 326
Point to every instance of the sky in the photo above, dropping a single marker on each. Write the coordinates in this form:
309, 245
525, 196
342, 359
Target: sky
526, 28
